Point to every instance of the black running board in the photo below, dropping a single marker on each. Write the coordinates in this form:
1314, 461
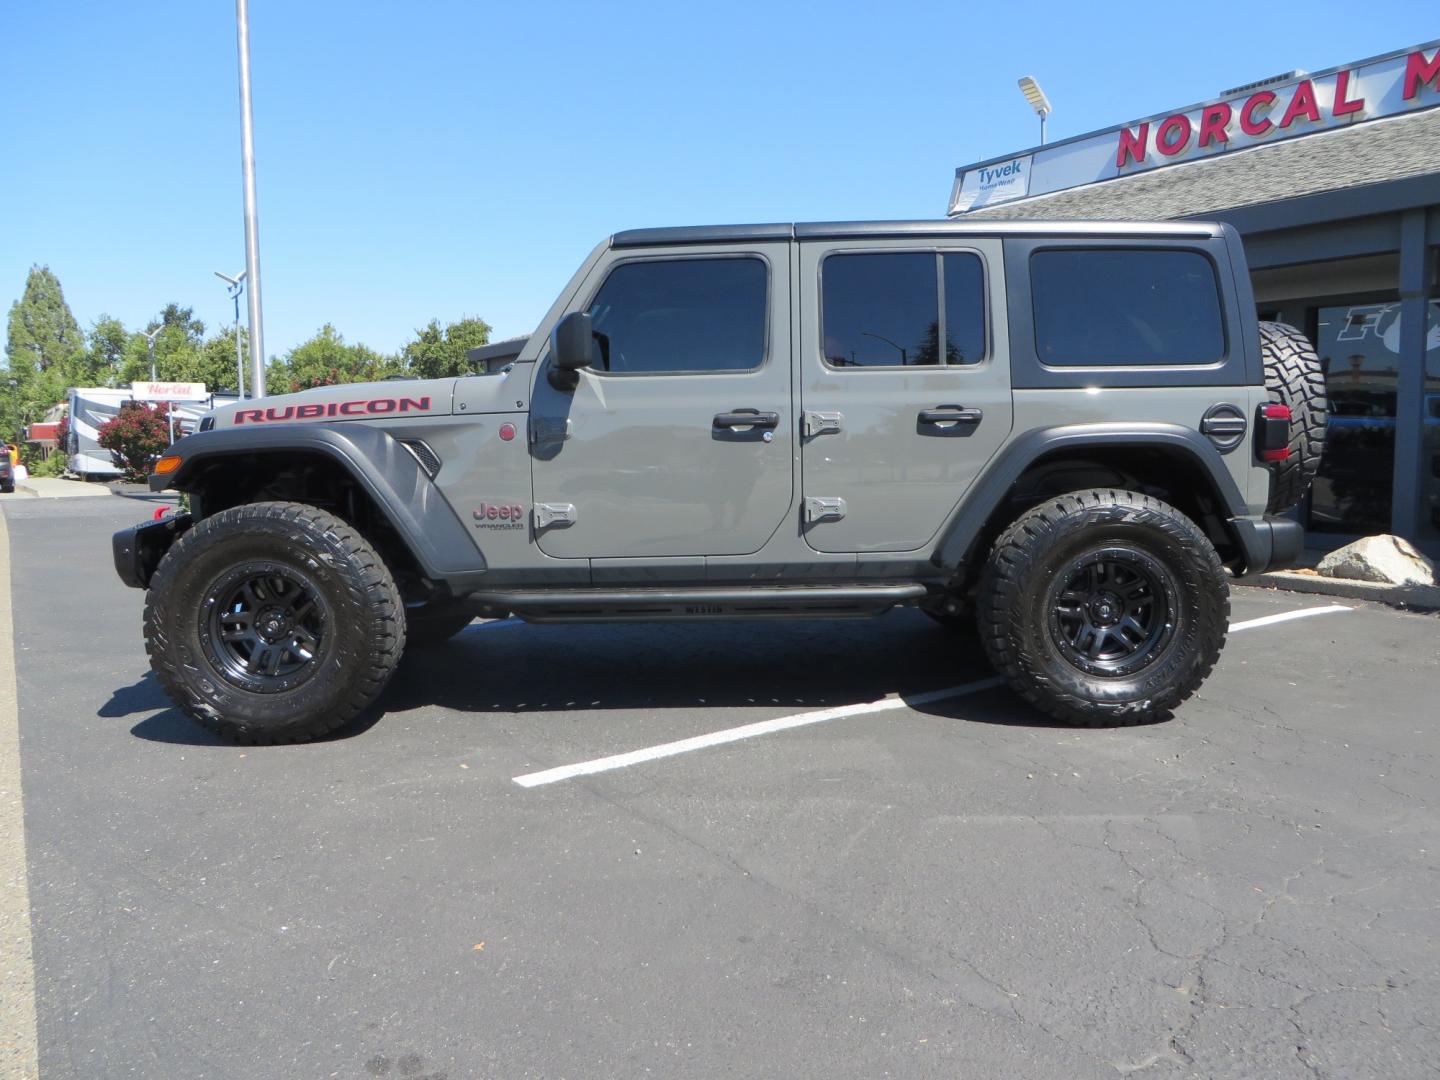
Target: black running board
736, 602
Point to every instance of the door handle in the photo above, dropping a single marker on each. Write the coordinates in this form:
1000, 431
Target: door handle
950, 414
747, 418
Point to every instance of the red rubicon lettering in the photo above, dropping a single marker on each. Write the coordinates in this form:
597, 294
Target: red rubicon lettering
1344, 104
1248, 123
1421, 72
1213, 122
311, 411
1132, 145
1302, 104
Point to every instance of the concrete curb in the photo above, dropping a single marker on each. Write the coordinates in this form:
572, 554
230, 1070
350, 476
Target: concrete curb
1415, 597
47, 487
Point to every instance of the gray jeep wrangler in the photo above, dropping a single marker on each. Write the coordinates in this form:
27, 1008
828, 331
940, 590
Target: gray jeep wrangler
1067, 435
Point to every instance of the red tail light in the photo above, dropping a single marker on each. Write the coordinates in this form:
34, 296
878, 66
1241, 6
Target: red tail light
1273, 432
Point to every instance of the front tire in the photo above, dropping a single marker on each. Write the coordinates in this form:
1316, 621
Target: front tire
273, 622
1104, 607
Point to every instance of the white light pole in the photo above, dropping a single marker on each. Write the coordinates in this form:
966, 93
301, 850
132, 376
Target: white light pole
150, 336
252, 215
1038, 101
236, 285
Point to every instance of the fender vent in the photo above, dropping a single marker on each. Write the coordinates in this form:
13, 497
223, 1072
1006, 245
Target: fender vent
424, 455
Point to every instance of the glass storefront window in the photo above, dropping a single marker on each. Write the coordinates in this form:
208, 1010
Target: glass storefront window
1430, 437
1359, 347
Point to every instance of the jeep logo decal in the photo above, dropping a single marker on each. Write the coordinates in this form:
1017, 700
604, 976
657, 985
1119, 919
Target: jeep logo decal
499, 515
362, 407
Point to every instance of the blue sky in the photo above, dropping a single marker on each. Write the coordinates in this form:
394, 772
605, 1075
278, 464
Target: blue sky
440, 159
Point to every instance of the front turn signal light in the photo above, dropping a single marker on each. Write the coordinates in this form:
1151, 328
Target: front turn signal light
167, 464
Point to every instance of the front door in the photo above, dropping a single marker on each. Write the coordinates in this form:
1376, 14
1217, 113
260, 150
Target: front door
905, 388
680, 441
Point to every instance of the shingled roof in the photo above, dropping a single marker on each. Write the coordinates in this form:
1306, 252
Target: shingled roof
1390, 149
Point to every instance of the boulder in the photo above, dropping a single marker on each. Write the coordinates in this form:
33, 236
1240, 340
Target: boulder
1386, 559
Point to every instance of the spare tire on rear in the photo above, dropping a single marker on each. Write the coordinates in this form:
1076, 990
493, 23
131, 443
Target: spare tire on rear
1293, 377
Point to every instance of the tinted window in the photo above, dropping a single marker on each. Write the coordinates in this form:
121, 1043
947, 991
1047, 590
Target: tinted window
883, 310
1118, 308
682, 315
964, 309
880, 310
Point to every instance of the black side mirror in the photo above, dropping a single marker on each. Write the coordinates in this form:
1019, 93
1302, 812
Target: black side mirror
572, 347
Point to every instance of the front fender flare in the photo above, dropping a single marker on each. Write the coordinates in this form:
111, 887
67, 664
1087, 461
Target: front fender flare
387, 472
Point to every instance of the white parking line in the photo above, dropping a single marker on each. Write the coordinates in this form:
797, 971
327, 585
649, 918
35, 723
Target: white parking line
748, 731
1287, 616
805, 719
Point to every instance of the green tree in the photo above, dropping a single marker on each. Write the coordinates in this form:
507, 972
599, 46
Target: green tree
214, 363
439, 354
42, 347
177, 348
324, 360
42, 332
104, 357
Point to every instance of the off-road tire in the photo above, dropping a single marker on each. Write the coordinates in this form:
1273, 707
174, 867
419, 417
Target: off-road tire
1293, 377
1024, 585
434, 624
356, 614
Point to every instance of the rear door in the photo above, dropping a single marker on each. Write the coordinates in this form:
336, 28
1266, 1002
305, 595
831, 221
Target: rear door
905, 387
681, 441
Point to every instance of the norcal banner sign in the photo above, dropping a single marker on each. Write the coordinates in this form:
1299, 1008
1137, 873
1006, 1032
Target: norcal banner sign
1284, 108
168, 391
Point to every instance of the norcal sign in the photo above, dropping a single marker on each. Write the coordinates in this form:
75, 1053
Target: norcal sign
1265, 112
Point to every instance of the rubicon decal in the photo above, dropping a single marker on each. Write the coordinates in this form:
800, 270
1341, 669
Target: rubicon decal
319, 411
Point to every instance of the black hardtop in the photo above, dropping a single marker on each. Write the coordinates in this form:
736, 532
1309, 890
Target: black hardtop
906, 230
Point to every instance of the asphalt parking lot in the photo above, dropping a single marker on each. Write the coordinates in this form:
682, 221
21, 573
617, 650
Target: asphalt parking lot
943, 885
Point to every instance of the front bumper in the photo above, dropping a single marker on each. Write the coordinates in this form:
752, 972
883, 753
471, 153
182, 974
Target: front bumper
1269, 543
139, 549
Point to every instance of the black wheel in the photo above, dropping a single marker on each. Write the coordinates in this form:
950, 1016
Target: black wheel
431, 624
1293, 377
8, 489
1104, 607
273, 622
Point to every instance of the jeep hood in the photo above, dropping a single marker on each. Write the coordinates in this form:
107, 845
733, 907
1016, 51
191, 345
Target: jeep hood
351, 401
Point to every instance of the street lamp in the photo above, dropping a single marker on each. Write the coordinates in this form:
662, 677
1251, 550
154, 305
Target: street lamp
236, 286
252, 214
150, 336
1038, 101
904, 356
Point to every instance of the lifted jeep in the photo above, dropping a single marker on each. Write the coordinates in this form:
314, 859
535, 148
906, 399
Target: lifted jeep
1062, 433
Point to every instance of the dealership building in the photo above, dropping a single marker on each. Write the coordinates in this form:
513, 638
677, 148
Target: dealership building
1333, 181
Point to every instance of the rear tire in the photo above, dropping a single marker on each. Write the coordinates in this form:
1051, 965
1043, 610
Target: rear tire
273, 622
1104, 607
1293, 377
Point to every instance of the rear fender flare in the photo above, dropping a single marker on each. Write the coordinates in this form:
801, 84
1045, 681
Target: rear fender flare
994, 486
